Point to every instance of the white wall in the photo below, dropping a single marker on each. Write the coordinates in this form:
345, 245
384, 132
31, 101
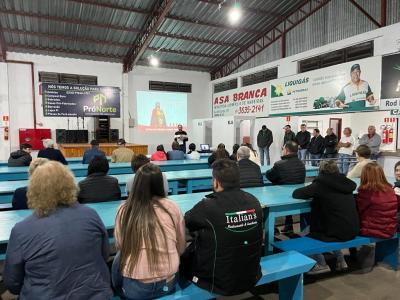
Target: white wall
20, 90
198, 101
4, 111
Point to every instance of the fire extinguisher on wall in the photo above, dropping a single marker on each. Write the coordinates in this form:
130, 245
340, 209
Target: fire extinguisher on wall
385, 135
390, 137
6, 133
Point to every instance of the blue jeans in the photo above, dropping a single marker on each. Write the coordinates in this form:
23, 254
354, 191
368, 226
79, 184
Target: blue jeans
132, 289
315, 162
344, 163
302, 154
264, 152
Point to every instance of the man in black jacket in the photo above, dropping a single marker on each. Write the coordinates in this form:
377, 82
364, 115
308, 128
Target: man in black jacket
50, 153
21, 157
289, 134
264, 141
303, 138
250, 172
98, 186
330, 143
289, 170
316, 147
224, 257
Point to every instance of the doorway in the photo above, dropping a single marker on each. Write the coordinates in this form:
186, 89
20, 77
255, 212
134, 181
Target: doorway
208, 132
336, 125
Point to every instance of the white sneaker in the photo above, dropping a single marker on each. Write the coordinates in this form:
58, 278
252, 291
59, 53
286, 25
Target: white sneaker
341, 266
319, 269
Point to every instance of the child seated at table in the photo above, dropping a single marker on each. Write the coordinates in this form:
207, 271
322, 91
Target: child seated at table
159, 155
176, 153
334, 215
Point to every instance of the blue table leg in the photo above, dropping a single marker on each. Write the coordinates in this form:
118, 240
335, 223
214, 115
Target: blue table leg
269, 231
291, 288
388, 252
189, 186
173, 185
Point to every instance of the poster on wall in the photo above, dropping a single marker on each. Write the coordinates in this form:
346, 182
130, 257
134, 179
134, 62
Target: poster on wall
352, 86
80, 100
390, 89
250, 100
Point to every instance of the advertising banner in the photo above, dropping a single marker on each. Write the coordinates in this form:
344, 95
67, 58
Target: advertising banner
72, 100
390, 90
352, 86
250, 100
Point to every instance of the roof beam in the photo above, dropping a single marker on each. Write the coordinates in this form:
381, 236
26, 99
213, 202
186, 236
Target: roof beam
65, 51
104, 42
360, 8
306, 9
178, 64
3, 46
114, 27
112, 6
160, 10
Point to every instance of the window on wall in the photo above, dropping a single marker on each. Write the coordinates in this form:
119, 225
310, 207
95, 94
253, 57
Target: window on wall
259, 77
360, 51
226, 85
312, 124
170, 86
67, 78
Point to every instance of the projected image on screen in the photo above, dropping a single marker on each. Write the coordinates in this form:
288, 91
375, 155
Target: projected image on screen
161, 111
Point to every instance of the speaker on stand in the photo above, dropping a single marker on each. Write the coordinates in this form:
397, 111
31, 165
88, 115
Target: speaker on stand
114, 135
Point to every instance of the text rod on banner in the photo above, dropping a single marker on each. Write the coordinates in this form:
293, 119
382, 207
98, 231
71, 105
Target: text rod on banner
251, 101
79, 100
353, 86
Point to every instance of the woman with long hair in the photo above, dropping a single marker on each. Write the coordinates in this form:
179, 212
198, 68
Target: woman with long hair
159, 155
253, 153
377, 203
220, 153
150, 237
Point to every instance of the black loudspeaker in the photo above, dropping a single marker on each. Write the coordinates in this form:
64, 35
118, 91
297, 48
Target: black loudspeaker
82, 136
114, 135
61, 136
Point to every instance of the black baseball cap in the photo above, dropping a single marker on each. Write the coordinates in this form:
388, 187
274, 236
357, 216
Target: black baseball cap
121, 142
355, 67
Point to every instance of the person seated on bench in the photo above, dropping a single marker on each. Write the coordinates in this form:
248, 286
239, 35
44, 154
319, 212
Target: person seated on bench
137, 162
159, 155
363, 154
176, 153
192, 154
224, 257
21, 157
289, 170
19, 200
60, 251
50, 153
334, 215
235, 148
249, 171
122, 154
377, 203
150, 237
220, 153
253, 154
397, 189
92, 152
98, 186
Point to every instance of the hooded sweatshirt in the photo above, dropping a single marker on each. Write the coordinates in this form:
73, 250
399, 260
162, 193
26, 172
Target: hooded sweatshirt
334, 216
19, 158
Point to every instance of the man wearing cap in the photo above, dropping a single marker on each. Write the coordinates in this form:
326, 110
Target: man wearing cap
356, 91
289, 135
122, 154
92, 152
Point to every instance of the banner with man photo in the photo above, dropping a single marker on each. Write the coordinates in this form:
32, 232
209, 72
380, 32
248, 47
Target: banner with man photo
352, 86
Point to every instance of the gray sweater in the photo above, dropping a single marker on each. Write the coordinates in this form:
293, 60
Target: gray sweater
373, 143
61, 256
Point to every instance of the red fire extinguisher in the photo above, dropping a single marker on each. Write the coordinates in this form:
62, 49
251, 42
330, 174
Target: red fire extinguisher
391, 135
6, 133
385, 136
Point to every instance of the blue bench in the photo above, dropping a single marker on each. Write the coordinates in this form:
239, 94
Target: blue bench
386, 250
286, 267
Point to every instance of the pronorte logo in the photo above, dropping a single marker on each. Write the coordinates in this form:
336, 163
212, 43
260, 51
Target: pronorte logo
241, 221
99, 99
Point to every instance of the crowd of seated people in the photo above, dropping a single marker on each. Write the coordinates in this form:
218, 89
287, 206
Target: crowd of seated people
150, 228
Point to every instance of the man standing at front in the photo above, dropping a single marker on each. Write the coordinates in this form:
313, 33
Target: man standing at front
224, 257
372, 140
289, 134
316, 147
303, 138
330, 144
264, 141
181, 138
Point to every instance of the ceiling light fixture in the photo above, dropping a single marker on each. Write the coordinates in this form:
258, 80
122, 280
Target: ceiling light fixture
154, 61
235, 13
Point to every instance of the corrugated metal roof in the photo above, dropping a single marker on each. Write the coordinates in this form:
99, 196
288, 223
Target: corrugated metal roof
194, 32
